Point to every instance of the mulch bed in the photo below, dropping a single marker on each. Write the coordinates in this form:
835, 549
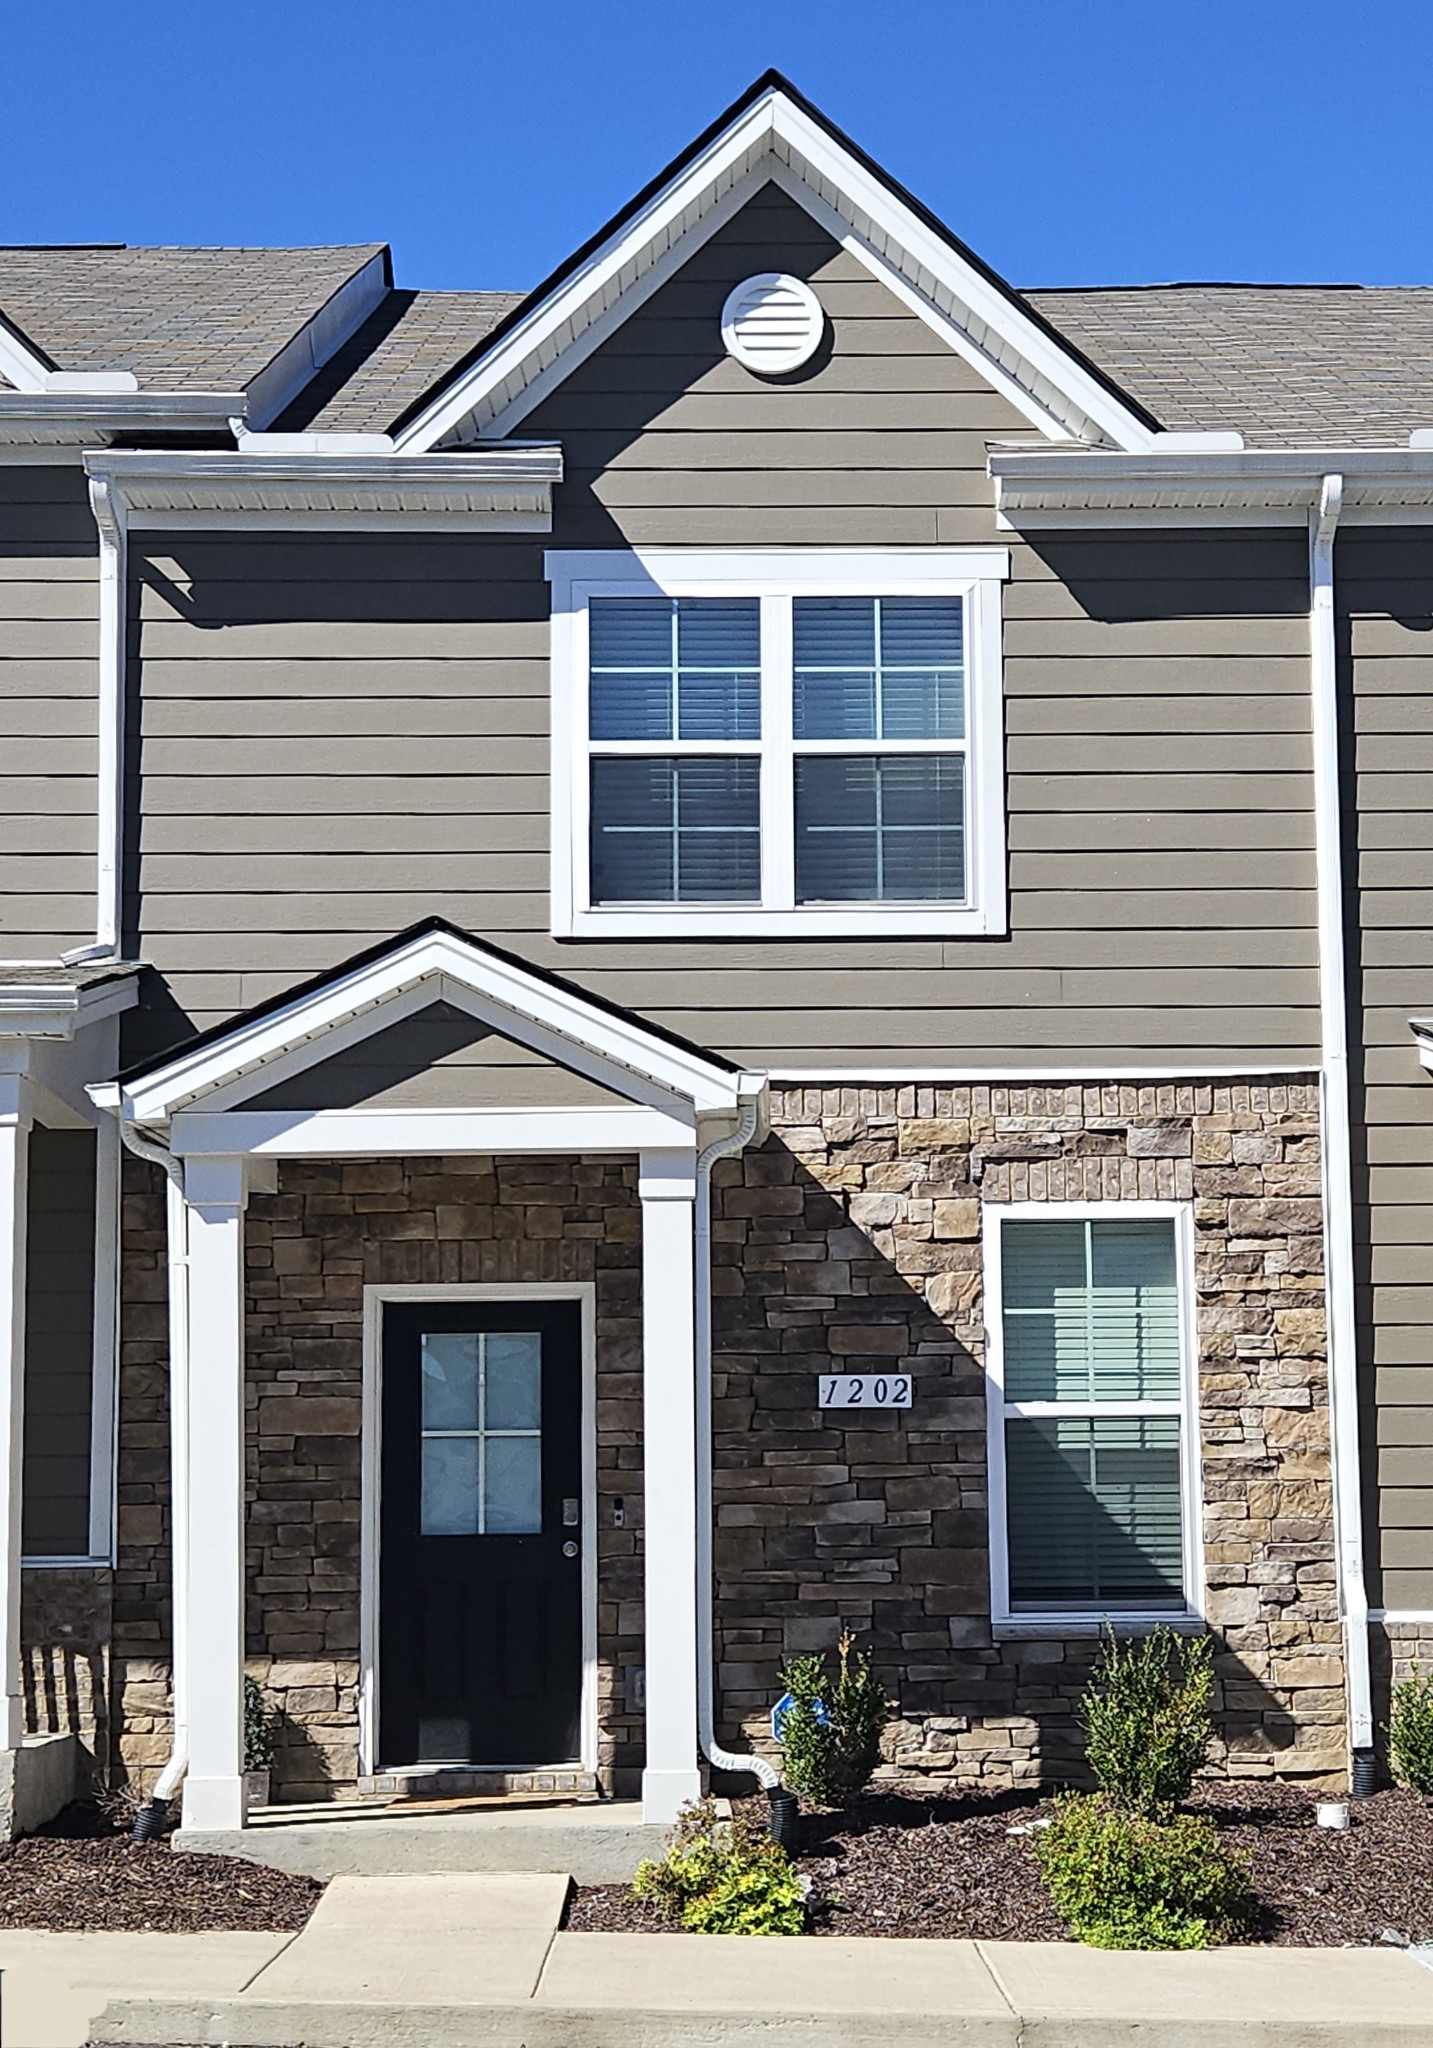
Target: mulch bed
82, 1873
912, 1865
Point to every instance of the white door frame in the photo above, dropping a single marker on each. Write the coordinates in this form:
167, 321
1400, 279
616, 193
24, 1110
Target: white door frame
374, 1300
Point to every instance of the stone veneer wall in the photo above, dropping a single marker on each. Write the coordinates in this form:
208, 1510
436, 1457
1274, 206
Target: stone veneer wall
851, 1240
1398, 1650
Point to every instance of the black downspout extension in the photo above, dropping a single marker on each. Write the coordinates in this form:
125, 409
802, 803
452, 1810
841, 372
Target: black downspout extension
785, 1816
149, 1822
1363, 1776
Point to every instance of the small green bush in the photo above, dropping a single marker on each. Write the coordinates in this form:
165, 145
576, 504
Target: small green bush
1146, 1719
724, 1877
1119, 1880
832, 1731
258, 1728
1410, 1734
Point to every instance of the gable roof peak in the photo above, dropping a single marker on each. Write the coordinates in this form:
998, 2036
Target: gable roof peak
773, 134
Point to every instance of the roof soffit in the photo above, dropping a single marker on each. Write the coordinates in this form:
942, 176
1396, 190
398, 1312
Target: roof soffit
776, 137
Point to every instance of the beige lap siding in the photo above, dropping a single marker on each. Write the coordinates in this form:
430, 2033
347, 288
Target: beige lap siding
852, 1240
339, 735
48, 760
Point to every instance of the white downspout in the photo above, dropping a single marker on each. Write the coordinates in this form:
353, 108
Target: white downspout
724, 1759
170, 1778
109, 515
1337, 1128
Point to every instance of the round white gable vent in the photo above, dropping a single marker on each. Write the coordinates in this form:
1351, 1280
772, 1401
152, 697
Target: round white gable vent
772, 323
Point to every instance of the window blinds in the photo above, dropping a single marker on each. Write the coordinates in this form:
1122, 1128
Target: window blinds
1094, 1507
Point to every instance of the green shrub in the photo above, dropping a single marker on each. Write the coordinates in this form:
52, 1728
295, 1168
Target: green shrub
1146, 1718
1410, 1734
258, 1728
724, 1877
1119, 1880
832, 1731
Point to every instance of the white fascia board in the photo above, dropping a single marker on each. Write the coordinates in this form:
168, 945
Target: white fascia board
391, 1133
1058, 392
496, 488
79, 418
61, 1010
20, 364
608, 274
319, 339
1049, 366
525, 1001
1256, 486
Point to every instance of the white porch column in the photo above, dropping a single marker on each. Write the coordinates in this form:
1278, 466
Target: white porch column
15, 1119
668, 1186
213, 1587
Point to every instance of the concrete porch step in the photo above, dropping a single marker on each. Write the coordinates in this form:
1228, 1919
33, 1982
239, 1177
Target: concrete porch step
600, 1843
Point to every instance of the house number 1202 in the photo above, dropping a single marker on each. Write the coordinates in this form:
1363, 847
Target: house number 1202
865, 1390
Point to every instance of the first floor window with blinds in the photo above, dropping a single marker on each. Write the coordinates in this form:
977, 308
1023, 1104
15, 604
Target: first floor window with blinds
754, 750
1091, 1415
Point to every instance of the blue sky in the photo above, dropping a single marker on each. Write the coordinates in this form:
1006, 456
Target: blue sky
1069, 141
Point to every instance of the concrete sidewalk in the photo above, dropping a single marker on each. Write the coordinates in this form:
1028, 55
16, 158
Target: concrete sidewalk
477, 1962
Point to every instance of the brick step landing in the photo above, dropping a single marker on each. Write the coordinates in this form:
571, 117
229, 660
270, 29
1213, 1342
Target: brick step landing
453, 1781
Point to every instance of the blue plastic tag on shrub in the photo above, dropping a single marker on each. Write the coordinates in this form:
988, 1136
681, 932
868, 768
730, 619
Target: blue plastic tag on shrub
783, 1707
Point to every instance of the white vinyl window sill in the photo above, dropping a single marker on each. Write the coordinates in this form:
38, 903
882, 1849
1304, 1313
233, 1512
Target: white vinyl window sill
1042, 1627
740, 921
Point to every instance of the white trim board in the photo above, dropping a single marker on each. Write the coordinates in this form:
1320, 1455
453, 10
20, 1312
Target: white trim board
1025, 1077
776, 138
370, 1488
994, 1215
419, 1133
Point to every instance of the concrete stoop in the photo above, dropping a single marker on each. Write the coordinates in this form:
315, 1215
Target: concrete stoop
600, 1843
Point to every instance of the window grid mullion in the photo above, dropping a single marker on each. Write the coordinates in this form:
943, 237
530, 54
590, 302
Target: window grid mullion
778, 768
482, 1432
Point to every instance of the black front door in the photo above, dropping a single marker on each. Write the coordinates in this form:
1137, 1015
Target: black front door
480, 1579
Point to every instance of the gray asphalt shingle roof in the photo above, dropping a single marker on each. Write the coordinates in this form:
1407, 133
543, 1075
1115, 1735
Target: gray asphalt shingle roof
180, 319
400, 352
1289, 366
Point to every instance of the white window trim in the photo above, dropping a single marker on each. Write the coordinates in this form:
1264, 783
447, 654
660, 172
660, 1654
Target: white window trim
769, 574
1077, 1621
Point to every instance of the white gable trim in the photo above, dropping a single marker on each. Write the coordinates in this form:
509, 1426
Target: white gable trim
556, 1022
774, 138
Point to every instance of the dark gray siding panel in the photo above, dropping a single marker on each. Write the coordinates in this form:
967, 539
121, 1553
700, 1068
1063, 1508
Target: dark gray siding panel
1385, 589
337, 736
59, 1342
47, 712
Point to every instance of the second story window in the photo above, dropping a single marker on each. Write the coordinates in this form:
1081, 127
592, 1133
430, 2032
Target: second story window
777, 743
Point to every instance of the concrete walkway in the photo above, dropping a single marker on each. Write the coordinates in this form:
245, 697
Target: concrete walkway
471, 1961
